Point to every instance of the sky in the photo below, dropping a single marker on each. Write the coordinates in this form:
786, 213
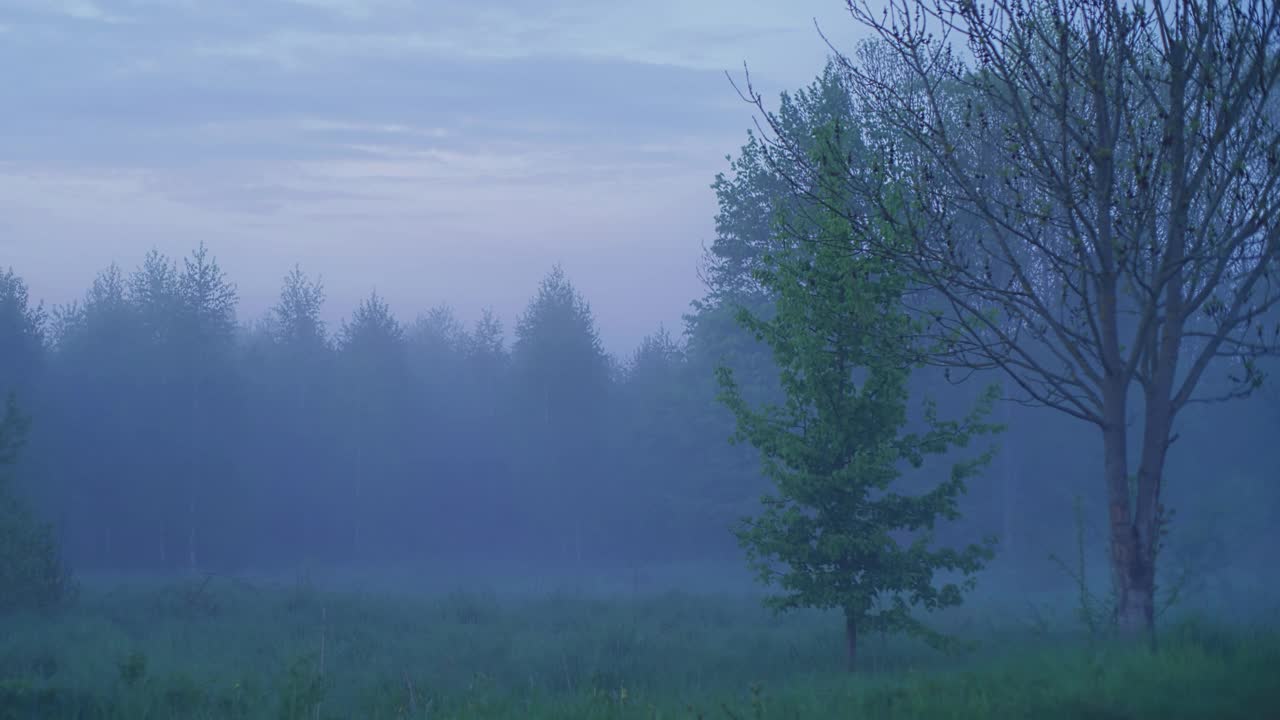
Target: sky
436, 151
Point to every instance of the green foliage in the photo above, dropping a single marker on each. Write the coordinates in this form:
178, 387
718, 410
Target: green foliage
31, 572
843, 533
758, 187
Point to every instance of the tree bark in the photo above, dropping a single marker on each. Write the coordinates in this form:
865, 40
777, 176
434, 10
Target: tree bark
851, 640
1134, 572
1134, 510
1131, 579
1136, 616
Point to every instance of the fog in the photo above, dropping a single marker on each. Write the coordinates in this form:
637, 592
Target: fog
173, 435
320, 306
274, 298
431, 151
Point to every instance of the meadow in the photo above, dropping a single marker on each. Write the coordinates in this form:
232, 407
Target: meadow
209, 646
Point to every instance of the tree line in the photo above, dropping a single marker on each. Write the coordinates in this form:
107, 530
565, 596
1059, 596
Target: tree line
1082, 209
171, 436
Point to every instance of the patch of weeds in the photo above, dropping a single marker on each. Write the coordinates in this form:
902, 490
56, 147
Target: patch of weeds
1096, 614
189, 600
471, 608
469, 656
303, 689
133, 669
303, 594
183, 696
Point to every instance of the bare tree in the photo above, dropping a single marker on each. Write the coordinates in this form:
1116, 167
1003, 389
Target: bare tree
1088, 190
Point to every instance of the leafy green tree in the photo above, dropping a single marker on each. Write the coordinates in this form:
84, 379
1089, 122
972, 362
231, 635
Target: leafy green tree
1094, 187
838, 532
750, 194
758, 187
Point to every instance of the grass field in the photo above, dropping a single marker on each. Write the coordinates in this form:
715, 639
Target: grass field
225, 648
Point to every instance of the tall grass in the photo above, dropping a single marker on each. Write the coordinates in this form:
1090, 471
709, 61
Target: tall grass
218, 648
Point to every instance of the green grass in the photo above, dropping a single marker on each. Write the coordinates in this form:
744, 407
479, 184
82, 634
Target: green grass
229, 650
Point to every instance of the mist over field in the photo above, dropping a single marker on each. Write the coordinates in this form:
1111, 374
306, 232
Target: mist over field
374, 359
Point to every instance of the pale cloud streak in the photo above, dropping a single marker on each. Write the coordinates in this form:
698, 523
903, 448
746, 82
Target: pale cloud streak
442, 150
87, 10
710, 35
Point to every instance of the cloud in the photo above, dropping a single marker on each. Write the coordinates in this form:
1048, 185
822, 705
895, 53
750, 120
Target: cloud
346, 8
658, 33
159, 120
83, 10
448, 145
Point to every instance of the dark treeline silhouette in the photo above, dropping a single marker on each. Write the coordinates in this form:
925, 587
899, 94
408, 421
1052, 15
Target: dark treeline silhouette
169, 433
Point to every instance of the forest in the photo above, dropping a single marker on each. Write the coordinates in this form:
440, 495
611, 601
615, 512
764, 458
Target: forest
978, 402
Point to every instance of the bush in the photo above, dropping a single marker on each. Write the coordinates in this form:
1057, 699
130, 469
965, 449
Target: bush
32, 576
31, 573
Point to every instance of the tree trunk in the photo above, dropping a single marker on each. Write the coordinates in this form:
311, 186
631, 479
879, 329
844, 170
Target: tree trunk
1133, 507
1136, 589
1136, 616
1126, 582
851, 640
